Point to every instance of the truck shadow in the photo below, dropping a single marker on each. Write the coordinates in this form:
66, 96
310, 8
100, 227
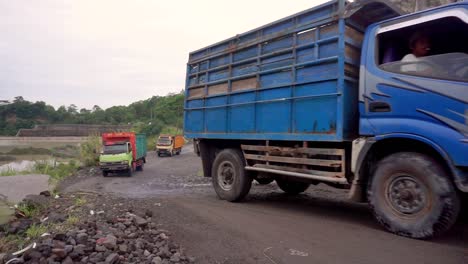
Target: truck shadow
343, 210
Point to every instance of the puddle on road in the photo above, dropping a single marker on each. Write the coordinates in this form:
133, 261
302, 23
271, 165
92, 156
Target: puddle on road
5, 212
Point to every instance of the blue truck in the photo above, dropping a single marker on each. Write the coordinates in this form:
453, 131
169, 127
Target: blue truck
338, 94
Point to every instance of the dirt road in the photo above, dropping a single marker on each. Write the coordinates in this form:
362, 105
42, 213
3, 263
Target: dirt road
270, 227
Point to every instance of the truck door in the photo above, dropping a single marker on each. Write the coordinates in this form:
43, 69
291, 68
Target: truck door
416, 79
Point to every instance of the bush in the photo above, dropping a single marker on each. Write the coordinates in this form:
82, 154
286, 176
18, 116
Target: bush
89, 151
172, 130
56, 172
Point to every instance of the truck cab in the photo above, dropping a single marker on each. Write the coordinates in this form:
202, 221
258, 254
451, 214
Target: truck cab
122, 152
423, 103
169, 145
116, 157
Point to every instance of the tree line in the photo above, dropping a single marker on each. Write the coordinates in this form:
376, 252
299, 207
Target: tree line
149, 116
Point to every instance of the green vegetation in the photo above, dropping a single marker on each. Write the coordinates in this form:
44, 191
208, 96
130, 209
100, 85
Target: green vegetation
89, 151
149, 116
35, 231
72, 220
11, 172
28, 210
11, 241
80, 201
56, 171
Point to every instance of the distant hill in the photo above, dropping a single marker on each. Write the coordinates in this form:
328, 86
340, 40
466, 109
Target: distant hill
149, 116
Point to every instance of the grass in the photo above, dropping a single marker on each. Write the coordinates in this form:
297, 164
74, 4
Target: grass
11, 241
11, 172
56, 172
72, 220
80, 201
35, 231
89, 151
28, 210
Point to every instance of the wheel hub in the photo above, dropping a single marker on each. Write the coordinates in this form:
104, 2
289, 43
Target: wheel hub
407, 195
226, 175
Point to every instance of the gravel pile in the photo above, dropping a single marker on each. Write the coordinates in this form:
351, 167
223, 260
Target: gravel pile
98, 237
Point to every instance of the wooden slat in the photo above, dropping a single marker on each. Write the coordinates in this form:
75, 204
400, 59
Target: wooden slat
311, 151
311, 172
316, 162
244, 84
218, 89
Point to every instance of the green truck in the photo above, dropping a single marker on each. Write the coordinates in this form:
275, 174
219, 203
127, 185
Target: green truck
122, 152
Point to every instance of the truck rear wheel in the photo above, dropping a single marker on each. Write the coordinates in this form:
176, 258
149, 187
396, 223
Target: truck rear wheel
140, 167
412, 195
292, 187
105, 173
228, 175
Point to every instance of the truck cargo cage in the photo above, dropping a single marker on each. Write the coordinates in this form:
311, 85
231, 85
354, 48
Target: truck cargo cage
293, 79
321, 164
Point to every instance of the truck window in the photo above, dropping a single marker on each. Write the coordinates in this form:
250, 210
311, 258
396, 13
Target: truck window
436, 49
115, 149
164, 141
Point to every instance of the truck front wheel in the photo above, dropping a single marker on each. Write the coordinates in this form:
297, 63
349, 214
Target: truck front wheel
412, 195
228, 175
292, 187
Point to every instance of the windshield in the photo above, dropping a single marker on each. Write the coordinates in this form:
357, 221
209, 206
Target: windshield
164, 141
449, 66
115, 149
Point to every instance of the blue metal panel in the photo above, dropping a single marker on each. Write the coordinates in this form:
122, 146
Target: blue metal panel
244, 69
214, 116
276, 116
245, 54
242, 116
289, 82
276, 79
316, 115
328, 50
317, 72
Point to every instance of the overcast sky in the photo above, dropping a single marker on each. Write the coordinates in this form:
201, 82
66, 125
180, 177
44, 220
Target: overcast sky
115, 52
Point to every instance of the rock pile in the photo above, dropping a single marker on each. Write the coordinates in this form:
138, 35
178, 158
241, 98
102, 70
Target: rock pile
125, 239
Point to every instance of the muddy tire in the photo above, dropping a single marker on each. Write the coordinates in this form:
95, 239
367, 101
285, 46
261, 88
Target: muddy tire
139, 167
228, 176
412, 195
130, 172
292, 187
105, 173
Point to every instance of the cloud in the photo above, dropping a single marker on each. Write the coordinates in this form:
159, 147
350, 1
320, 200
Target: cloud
114, 52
